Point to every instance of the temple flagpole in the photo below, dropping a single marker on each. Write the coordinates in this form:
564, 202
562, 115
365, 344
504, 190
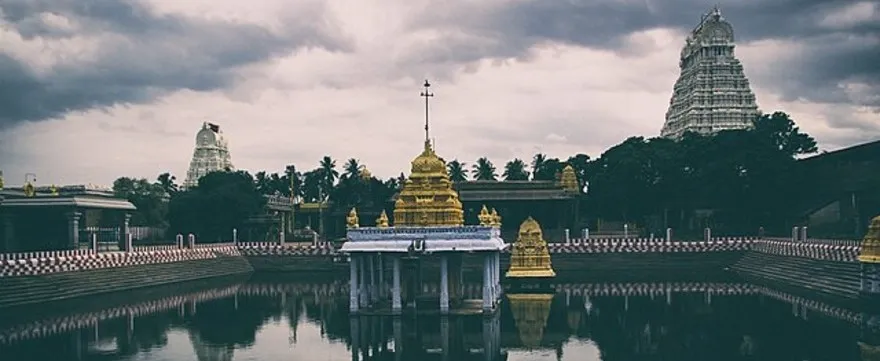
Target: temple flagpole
427, 94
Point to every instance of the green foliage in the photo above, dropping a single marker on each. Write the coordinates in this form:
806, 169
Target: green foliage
149, 198
221, 202
747, 178
484, 170
515, 170
456, 171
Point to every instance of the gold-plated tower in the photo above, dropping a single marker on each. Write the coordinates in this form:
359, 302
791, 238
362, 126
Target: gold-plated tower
568, 180
529, 256
427, 198
352, 220
870, 252
29, 190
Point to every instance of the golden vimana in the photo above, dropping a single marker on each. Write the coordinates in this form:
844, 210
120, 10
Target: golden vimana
529, 256
427, 198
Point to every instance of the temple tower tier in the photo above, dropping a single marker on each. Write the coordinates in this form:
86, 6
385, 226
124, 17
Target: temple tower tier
712, 92
211, 154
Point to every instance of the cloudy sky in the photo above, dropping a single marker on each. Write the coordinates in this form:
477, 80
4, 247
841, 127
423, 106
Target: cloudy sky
91, 90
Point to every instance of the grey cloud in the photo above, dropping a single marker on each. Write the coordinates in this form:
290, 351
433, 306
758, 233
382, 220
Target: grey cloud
141, 56
843, 53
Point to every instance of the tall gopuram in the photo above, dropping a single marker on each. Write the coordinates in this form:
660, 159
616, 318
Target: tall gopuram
712, 93
210, 155
529, 257
428, 228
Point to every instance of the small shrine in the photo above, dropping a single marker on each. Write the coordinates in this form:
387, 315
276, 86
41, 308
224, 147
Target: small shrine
428, 231
529, 256
869, 256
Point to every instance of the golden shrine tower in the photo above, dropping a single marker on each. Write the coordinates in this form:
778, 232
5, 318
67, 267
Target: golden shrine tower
568, 180
427, 198
529, 256
870, 251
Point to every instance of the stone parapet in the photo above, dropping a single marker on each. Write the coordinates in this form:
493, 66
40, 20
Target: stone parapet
41, 263
838, 252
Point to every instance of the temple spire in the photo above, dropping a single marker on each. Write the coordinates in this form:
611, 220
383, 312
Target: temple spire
427, 94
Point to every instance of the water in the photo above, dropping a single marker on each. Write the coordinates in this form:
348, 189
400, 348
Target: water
292, 320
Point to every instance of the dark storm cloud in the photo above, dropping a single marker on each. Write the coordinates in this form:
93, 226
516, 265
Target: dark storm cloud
512, 29
142, 55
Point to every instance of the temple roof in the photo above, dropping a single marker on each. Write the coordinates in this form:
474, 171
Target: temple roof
80, 196
427, 198
472, 191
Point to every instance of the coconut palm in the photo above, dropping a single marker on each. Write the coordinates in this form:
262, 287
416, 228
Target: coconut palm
456, 171
484, 170
515, 170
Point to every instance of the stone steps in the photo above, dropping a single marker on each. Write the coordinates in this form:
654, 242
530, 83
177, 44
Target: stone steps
835, 278
19, 291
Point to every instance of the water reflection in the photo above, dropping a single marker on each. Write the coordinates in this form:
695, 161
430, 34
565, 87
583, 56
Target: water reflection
296, 320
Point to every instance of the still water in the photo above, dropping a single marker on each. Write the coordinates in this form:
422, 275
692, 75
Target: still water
296, 320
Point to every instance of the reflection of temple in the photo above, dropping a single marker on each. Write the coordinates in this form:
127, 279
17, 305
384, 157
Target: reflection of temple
530, 312
458, 338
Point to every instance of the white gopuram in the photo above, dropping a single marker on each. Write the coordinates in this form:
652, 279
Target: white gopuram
210, 155
371, 249
712, 92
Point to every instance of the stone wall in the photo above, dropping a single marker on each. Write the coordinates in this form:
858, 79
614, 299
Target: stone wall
829, 267
28, 278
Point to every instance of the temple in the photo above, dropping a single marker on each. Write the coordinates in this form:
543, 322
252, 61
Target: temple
428, 227
210, 155
869, 257
712, 93
529, 257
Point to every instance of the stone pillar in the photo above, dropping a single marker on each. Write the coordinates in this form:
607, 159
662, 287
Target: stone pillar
498, 289
396, 306
794, 234
73, 229
124, 230
363, 292
9, 233
353, 301
487, 284
444, 284
668, 235
804, 233
383, 287
567, 236
371, 271
707, 233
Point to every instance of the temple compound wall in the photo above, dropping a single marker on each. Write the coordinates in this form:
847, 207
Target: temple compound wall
828, 266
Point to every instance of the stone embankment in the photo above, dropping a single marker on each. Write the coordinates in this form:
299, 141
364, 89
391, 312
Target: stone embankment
816, 265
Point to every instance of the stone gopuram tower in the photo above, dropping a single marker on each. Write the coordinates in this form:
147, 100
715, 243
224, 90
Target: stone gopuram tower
210, 155
712, 93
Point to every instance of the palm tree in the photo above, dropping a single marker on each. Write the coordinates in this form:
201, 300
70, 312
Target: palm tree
328, 169
484, 170
263, 183
456, 171
544, 168
515, 170
352, 169
166, 181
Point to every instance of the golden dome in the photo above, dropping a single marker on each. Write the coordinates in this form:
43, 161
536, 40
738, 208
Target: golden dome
427, 198
365, 174
530, 229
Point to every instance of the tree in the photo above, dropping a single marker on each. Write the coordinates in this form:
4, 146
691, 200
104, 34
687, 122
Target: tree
456, 170
166, 181
545, 169
328, 170
222, 201
352, 169
515, 170
149, 198
581, 164
484, 170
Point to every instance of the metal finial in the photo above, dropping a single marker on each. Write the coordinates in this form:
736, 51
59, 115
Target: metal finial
426, 94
